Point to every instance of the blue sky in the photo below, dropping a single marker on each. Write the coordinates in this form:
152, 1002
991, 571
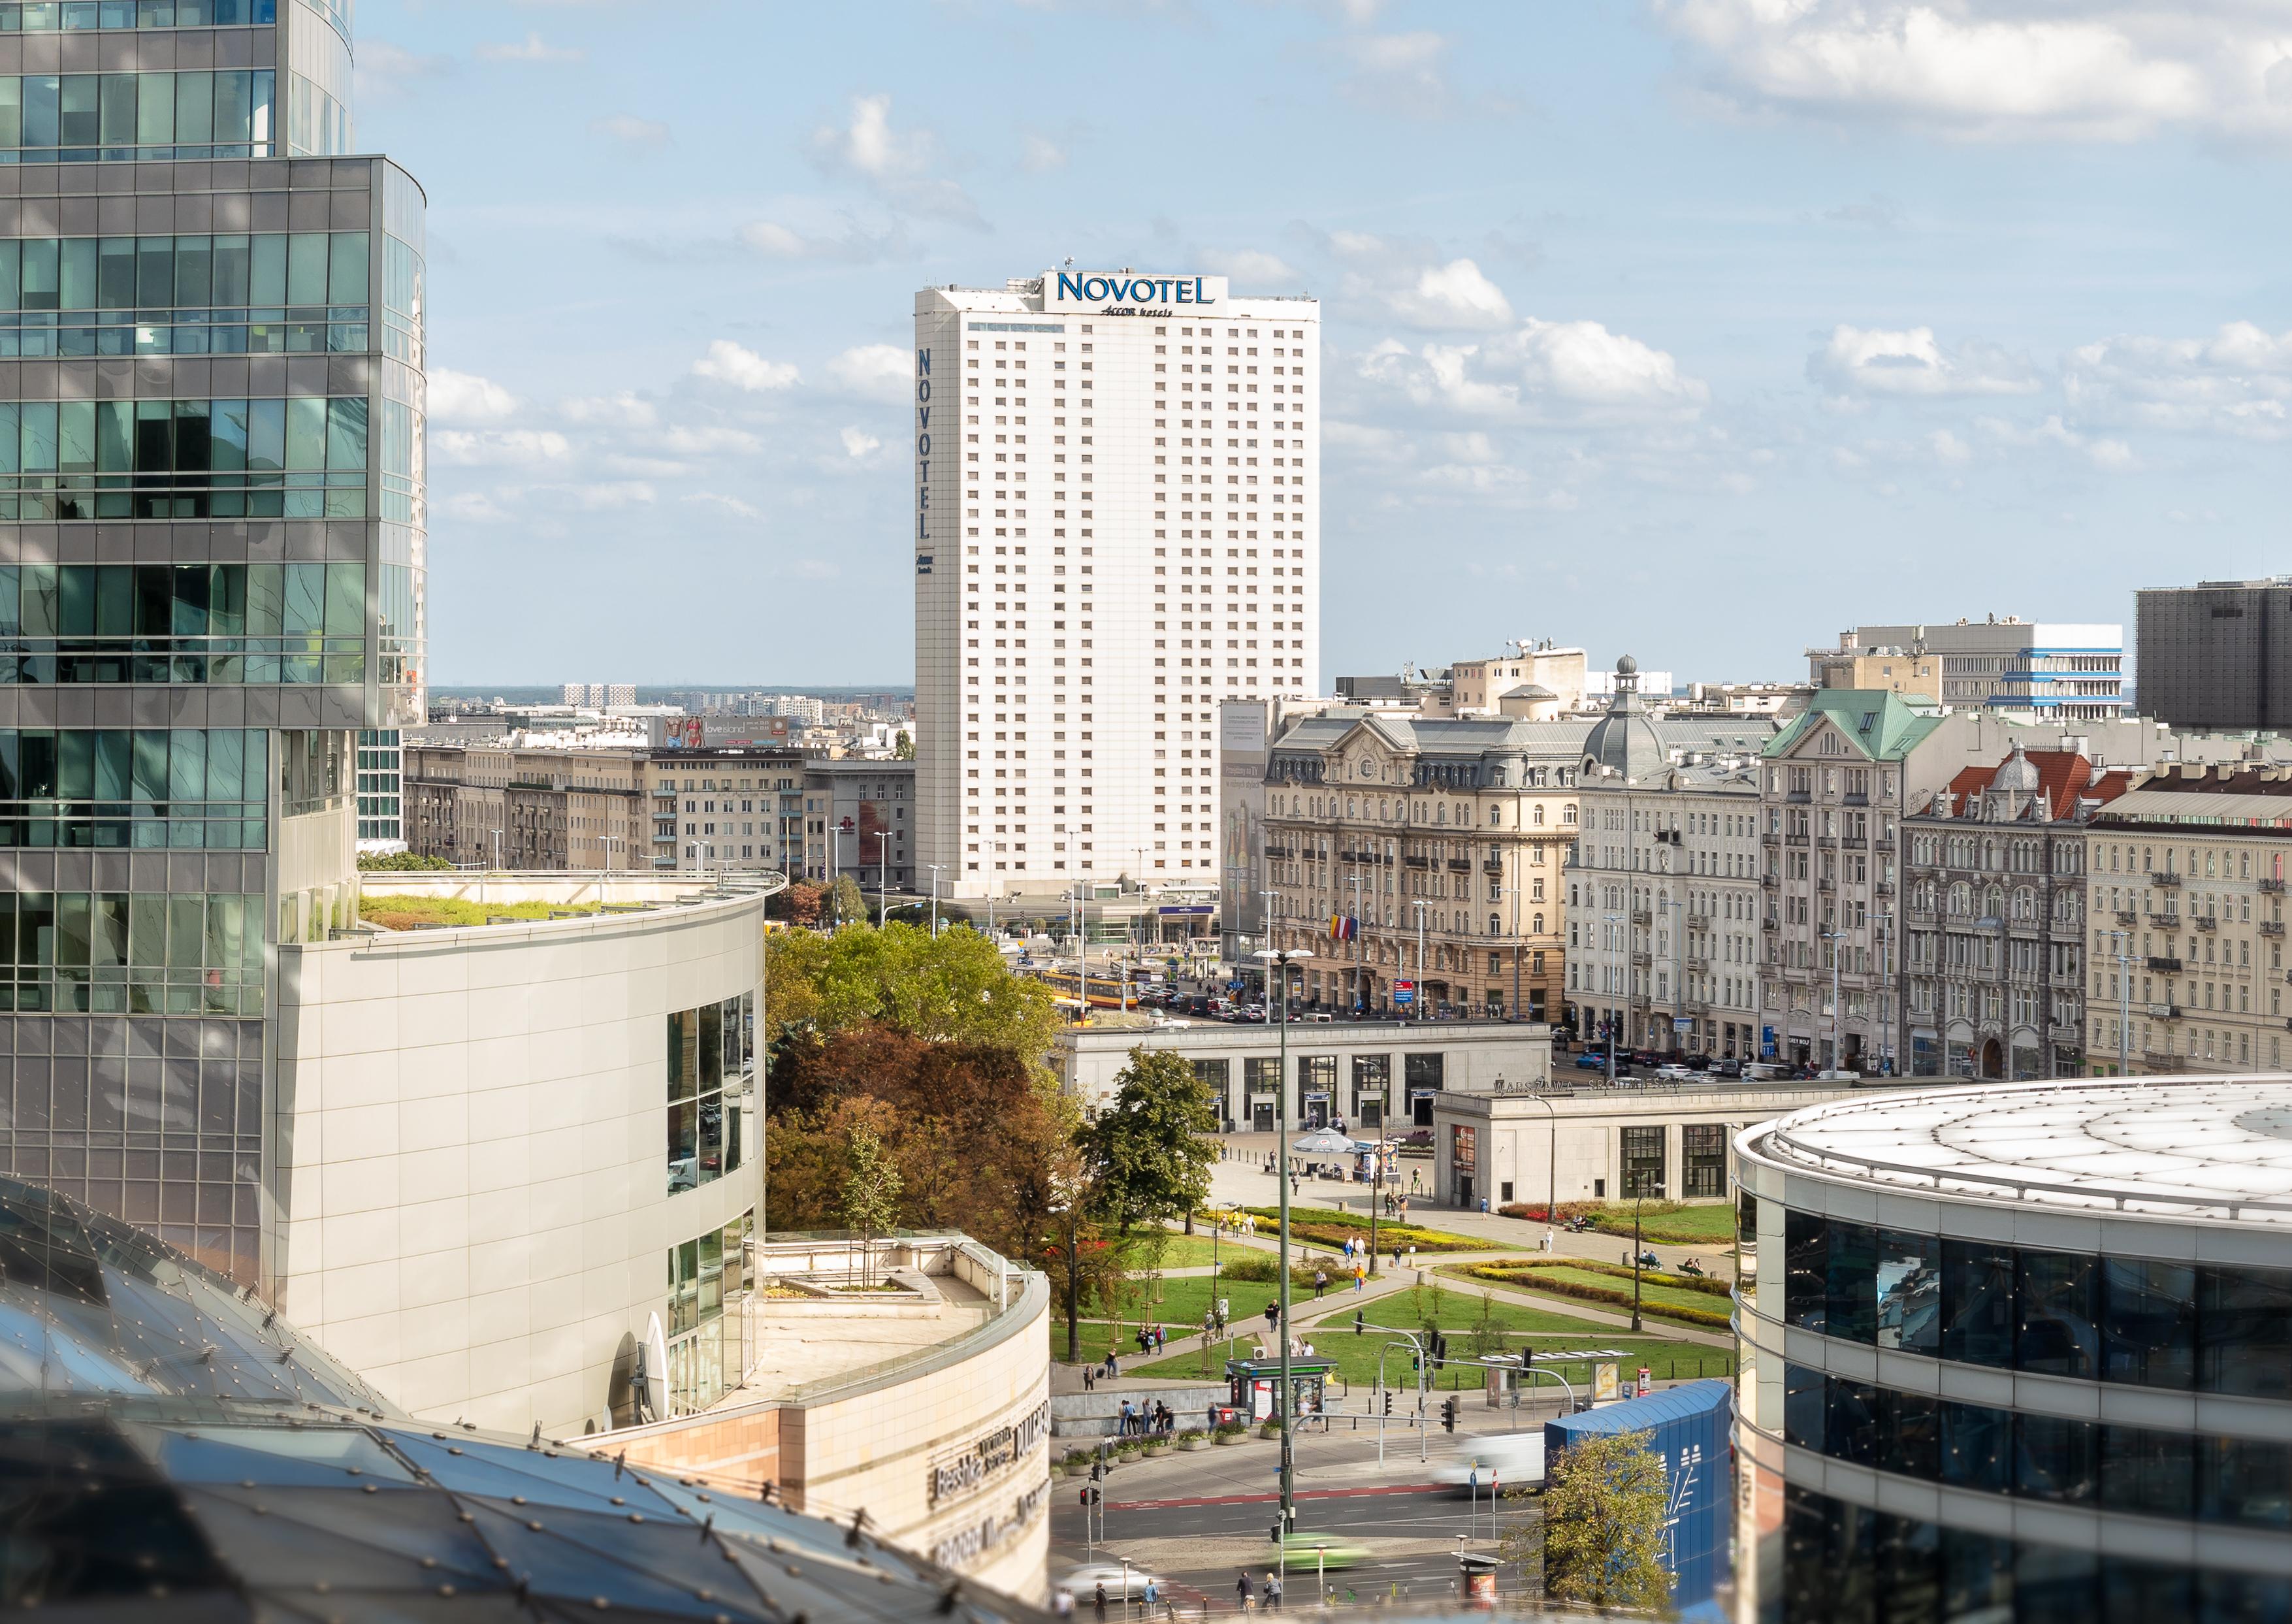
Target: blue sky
1695, 329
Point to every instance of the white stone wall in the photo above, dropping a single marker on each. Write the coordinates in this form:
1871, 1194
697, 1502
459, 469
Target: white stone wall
470, 1171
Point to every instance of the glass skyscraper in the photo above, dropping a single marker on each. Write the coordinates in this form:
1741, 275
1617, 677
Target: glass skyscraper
212, 519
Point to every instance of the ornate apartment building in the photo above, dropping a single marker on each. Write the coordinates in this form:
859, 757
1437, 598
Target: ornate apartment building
2186, 873
1994, 905
1428, 851
1663, 891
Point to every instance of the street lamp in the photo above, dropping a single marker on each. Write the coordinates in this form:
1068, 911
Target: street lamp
934, 868
1421, 907
1278, 960
2123, 1004
1837, 1009
1614, 920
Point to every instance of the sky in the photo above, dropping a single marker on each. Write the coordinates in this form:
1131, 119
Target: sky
1695, 329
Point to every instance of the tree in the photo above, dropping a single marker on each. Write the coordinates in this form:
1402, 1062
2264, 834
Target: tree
851, 903
953, 988
1153, 1145
1605, 1500
871, 1194
903, 747
400, 862
802, 903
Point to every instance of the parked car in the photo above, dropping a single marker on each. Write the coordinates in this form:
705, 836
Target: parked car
1592, 1062
1728, 1067
1674, 1073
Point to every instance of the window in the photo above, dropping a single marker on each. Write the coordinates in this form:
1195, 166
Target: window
1215, 1075
1806, 1254
1851, 1282
1977, 1291
1909, 1279
2056, 1334
1703, 1149
1642, 1156
711, 1054
706, 1276
1261, 1076
2148, 1327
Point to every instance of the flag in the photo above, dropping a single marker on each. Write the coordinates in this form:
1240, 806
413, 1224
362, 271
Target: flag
1342, 928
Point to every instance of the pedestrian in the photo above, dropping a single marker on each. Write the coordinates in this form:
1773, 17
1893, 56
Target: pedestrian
1063, 1603
1153, 1594
1272, 1316
1272, 1591
1361, 1277
1089, 1377
1320, 1282
1396, 1256
1241, 1593
1123, 1430
1099, 1602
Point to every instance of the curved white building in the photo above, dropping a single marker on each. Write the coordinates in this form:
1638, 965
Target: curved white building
2020, 1354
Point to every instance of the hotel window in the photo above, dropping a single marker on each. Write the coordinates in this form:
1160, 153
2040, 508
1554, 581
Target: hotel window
711, 1056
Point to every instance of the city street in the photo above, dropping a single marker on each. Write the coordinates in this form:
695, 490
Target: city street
1198, 1521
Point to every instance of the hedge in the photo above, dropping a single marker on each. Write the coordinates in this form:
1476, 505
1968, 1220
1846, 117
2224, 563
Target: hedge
1522, 1276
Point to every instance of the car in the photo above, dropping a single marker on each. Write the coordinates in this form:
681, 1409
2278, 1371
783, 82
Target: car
1304, 1552
1727, 1068
1592, 1062
1505, 1458
1082, 1582
1838, 1077
1673, 1073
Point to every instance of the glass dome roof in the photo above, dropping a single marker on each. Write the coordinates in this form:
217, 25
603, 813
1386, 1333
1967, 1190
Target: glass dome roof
169, 1447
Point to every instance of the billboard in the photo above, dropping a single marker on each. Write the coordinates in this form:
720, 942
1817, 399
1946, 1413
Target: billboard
719, 732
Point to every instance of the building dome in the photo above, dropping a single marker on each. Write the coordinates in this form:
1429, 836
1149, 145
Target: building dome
2016, 774
1628, 667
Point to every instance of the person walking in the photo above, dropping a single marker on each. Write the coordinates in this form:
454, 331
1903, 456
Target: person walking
1242, 1597
1320, 1283
1272, 1591
1099, 1602
1361, 1277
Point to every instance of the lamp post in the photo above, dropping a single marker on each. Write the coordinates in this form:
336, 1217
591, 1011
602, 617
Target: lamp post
1356, 882
1837, 1009
1614, 919
1639, 1194
2123, 1004
1551, 1175
934, 868
1277, 959
1420, 959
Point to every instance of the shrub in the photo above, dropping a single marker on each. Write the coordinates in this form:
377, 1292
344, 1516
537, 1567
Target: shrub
1230, 1429
1266, 1268
1612, 1296
1193, 1434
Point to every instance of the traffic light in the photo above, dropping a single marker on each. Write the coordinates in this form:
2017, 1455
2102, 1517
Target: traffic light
1096, 1471
1388, 1400
1361, 1322
1448, 1415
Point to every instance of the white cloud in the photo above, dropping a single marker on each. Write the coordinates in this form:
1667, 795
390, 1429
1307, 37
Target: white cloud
1397, 73
1948, 448
688, 441
1562, 373
775, 240
858, 442
532, 48
623, 410
1452, 295
2113, 456
731, 505
612, 495
1911, 361
465, 397
727, 362
900, 166
643, 134
2104, 69
2239, 381
1250, 266
473, 508
499, 447
386, 72
880, 372
1038, 154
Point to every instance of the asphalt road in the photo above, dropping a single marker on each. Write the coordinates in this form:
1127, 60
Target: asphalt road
1199, 1549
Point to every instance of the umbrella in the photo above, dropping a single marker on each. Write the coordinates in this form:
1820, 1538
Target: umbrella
1323, 1141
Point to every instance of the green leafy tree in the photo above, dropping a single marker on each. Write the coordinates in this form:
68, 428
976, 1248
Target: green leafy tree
851, 903
903, 747
1153, 1145
953, 988
1600, 1540
871, 1193
400, 862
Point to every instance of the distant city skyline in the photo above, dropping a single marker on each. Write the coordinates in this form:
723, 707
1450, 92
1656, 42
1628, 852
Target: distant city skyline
1617, 299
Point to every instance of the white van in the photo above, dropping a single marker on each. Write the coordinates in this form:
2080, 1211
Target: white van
1508, 1459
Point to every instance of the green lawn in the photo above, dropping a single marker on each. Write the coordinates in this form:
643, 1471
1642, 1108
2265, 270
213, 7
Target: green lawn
1178, 1302
1356, 1358
1330, 1228
1655, 1295
1710, 1223
1179, 1251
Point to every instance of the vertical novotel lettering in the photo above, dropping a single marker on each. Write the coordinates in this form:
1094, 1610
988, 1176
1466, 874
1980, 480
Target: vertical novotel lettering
923, 444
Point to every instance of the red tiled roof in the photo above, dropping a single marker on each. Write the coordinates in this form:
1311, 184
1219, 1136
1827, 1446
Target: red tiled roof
2064, 778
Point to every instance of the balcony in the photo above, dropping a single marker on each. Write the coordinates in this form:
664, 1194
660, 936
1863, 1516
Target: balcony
2164, 1011
1642, 918
2163, 878
1417, 862
2170, 966
2125, 916
1460, 865
1495, 865
2276, 887
1698, 967
1794, 840
1884, 888
1642, 960
1769, 881
1826, 884
2203, 921
2271, 927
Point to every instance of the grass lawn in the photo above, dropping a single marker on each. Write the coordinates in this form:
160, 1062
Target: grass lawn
399, 913
1184, 1251
1355, 1357
1330, 1228
1710, 1223
1655, 1295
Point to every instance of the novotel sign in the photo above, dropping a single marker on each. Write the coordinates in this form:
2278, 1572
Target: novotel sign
1123, 292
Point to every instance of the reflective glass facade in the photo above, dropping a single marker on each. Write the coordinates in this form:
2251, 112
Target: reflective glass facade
212, 571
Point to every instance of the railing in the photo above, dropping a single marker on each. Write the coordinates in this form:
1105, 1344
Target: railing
2164, 1011
2275, 885
2158, 962
2125, 916
2163, 876
1642, 917
2271, 927
2203, 921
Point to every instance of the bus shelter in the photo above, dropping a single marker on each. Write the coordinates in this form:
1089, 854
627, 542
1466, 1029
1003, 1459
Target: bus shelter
1253, 1383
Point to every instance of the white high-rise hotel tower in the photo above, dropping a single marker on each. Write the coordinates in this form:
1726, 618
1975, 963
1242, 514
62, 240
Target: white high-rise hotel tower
1117, 526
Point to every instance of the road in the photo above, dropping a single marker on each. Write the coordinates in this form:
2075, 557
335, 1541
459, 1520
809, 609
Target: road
1198, 1520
